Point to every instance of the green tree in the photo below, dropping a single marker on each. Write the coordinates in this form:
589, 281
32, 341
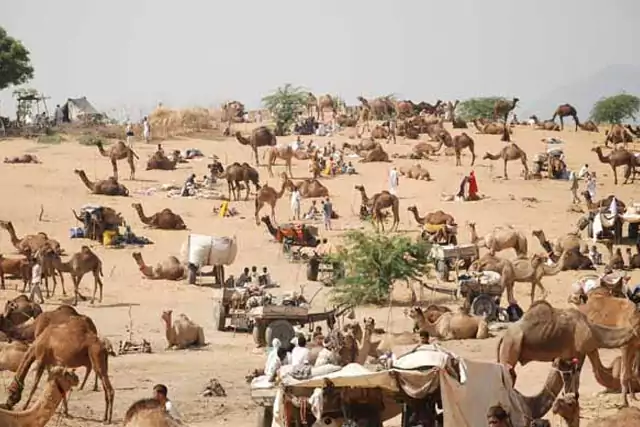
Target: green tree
475, 108
15, 65
285, 104
615, 109
374, 262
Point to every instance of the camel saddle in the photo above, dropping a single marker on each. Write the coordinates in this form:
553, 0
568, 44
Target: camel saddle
296, 232
608, 220
434, 228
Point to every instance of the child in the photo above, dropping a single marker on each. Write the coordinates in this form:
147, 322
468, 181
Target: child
36, 278
595, 256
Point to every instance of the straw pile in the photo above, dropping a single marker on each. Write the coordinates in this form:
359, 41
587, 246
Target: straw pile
168, 122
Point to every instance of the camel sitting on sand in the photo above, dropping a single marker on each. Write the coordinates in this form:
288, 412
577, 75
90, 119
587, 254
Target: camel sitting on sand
119, 151
422, 150
616, 158
546, 333
548, 125
107, 187
268, 195
499, 239
565, 243
149, 413
589, 126
508, 153
169, 269
618, 135
164, 220
183, 333
285, 153
308, 188
158, 161
376, 155
260, 137
452, 326
489, 128
415, 172
23, 159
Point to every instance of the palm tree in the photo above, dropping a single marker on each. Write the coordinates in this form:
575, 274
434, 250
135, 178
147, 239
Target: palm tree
285, 104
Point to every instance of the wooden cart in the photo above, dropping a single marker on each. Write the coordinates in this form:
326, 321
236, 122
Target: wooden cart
447, 256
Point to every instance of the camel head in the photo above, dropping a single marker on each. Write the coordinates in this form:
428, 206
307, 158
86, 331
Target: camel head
413, 209
166, 316
515, 101
598, 149
63, 379
539, 234
78, 171
415, 313
471, 225
137, 256
498, 417
567, 406
216, 167
369, 324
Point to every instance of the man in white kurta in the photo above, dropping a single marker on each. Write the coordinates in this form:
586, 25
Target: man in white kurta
393, 181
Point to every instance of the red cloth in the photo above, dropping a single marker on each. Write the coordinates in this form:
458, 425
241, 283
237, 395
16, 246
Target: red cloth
473, 184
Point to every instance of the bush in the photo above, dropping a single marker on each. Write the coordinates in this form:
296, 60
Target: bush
475, 108
89, 139
51, 138
374, 262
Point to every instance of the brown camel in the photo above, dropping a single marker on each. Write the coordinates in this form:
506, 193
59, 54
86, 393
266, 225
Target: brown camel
270, 196
508, 153
380, 132
16, 267
634, 260
169, 269
603, 203
565, 243
363, 145
422, 150
378, 202
545, 333
18, 311
326, 102
458, 143
59, 383
376, 155
532, 271
72, 344
568, 408
308, 188
237, 173
107, 187
618, 135
435, 218
489, 128
161, 162
499, 239
119, 151
279, 152
81, 263
164, 220
183, 333
619, 157
566, 110
415, 172
452, 326
365, 115
149, 413
502, 108
31, 243
548, 125
23, 159
11, 354
260, 137
589, 126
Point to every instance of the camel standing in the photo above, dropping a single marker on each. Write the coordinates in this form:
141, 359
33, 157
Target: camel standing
325, 102
618, 135
119, 151
566, 110
619, 157
237, 173
508, 153
380, 201
279, 152
30, 243
270, 196
532, 271
365, 114
72, 344
502, 108
458, 143
499, 239
260, 137
309, 188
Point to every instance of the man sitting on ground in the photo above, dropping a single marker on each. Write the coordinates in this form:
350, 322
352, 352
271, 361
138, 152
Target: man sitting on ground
160, 394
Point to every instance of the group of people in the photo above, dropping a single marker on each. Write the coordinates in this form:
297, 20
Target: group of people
252, 279
584, 174
313, 212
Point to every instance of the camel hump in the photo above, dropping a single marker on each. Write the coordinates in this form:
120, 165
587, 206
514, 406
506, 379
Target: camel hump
541, 303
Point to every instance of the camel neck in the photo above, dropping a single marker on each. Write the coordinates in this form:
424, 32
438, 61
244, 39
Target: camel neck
39, 414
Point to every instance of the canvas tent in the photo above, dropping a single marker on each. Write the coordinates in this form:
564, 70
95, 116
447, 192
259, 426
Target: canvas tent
78, 109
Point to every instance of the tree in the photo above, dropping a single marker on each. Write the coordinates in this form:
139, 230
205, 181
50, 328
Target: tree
374, 262
476, 108
15, 65
285, 104
615, 109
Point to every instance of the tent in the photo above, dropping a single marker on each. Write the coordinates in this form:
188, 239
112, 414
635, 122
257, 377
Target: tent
78, 109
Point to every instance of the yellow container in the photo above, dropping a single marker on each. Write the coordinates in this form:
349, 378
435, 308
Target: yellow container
108, 236
223, 209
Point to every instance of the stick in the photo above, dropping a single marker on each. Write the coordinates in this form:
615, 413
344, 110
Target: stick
41, 213
130, 326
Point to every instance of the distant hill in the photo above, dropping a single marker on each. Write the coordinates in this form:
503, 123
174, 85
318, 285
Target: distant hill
583, 94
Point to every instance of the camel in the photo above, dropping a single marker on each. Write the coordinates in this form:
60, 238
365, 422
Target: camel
31, 243
149, 413
183, 333
363, 145
325, 102
620, 157
548, 125
616, 261
237, 173
260, 137
502, 108
81, 263
107, 187
415, 172
532, 271
423, 150
566, 243
618, 135
545, 333
158, 161
568, 408
365, 115
59, 383
164, 220
458, 143
434, 218
72, 344
499, 239
19, 310
380, 132
119, 151
378, 202
11, 354
589, 126
489, 128
452, 326
566, 110
634, 260
285, 153
270, 196
508, 153
16, 267
23, 159
308, 188
376, 155
169, 269
604, 203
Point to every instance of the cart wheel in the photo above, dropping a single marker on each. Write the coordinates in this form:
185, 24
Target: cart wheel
258, 334
265, 417
219, 315
442, 270
281, 329
484, 305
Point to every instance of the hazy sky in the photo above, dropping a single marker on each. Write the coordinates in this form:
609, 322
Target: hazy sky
139, 52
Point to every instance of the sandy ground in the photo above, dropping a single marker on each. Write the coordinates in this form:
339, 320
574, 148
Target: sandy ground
230, 356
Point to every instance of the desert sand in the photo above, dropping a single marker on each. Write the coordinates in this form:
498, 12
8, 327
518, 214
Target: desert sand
230, 356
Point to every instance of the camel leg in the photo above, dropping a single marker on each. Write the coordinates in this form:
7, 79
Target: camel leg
575, 119
132, 168
86, 376
96, 284
255, 154
526, 168
561, 123
627, 174
615, 175
99, 361
289, 166
246, 183
64, 291
273, 213
39, 372
473, 156
114, 165
505, 170
458, 162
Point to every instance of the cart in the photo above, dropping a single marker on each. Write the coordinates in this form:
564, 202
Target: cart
264, 398
319, 269
448, 257
482, 293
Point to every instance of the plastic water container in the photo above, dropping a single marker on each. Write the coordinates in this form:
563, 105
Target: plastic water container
108, 237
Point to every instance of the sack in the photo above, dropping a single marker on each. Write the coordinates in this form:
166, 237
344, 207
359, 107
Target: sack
209, 250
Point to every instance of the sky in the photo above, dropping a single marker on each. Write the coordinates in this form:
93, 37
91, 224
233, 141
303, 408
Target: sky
134, 54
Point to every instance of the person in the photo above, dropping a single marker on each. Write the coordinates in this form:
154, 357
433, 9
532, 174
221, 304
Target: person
189, 184
160, 394
265, 278
584, 171
595, 256
350, 169
146, 129
573, 186
272, 370
272, 354
473, 187
129, 134
36, 278
243, 278
393, 181
295, 203
254, 276
392, 130
591, 186
327, 211
300, 353
313, 211
58, 115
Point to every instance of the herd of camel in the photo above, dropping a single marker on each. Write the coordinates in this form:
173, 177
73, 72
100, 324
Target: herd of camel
67, 338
